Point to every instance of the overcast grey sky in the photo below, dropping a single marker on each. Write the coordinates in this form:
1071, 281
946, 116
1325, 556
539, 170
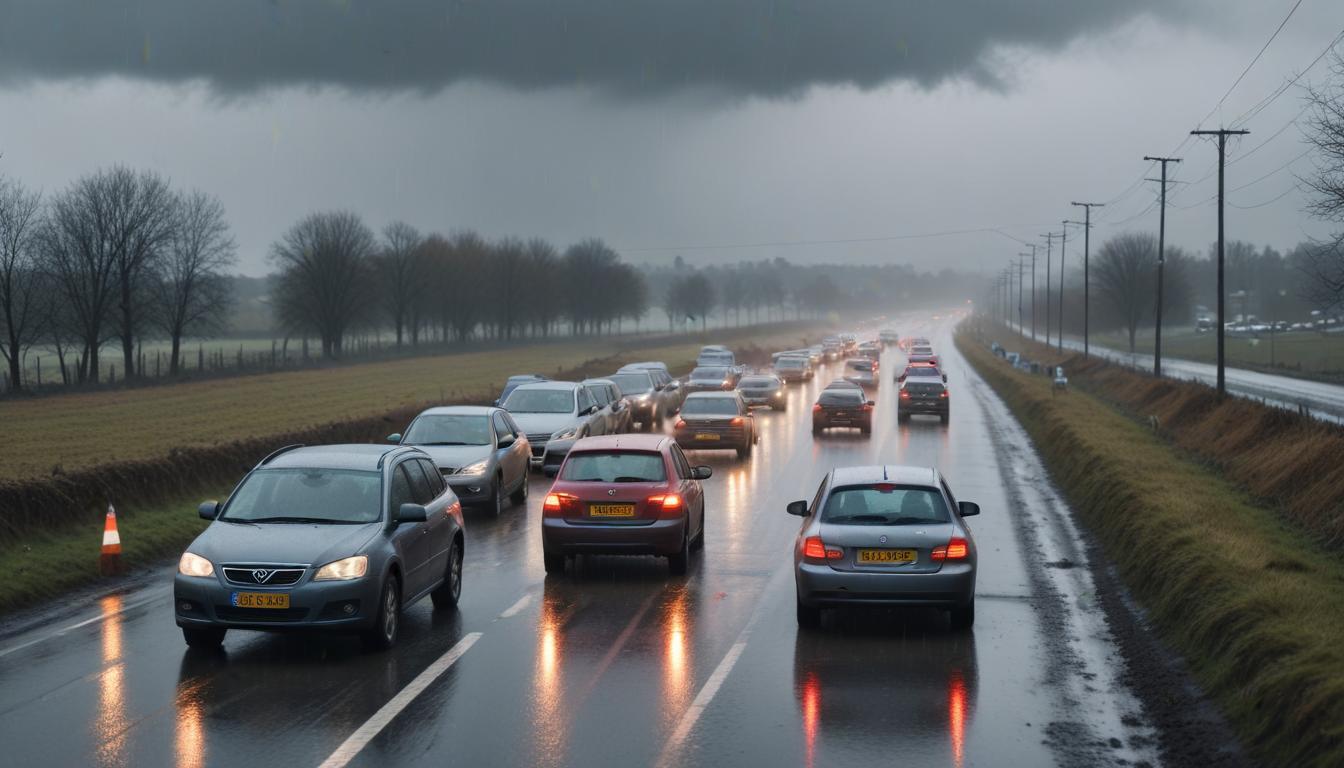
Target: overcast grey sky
667, 127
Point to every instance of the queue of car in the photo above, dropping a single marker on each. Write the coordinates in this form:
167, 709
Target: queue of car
346, 537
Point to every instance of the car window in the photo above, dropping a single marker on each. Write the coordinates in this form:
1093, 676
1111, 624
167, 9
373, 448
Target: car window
633, 383
501, 427
422, 492
614, 467
306, 495
948, 491
679, 460
599, 394
436, 482
840, 397
585, 399
816, 500
400, 493
512, 425
885, 504
448, 429
540, 401
709, 406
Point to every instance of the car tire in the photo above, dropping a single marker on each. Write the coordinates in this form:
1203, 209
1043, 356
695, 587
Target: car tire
554, 563
387, 624
450, 591
678, 562
962, 617
945, 417
495, 504
866, 430
901, 418
744, 451
816, 430
205, 638
519, 496
698, 543
809, 616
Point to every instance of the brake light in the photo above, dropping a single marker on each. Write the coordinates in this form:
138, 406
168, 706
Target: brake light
737, 421
815, 549
944, 394
681, 424
956, 549
556, 502
867, 407
905, 394
816, 408
669, 502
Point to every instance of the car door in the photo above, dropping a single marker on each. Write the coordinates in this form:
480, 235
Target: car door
691, 489
506, 453
427, 490
587, 413
603, 415
520, 453
410, 539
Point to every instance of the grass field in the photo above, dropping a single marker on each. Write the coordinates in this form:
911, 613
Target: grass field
82, 430
1256, 607
1293, 352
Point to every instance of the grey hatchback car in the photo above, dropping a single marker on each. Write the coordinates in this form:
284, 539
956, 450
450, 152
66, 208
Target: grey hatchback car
885, 535
338, 537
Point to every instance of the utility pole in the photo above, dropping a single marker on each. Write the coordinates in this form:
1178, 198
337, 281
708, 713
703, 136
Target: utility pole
1161, 257
1033, 292
1021, 269
1049, 254
1063, 241
1087, 282
1222, 134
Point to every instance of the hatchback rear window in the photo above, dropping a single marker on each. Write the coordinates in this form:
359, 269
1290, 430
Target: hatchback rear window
841, 397
709, 373
633, 383
614, 467
790, 362
885, 504
759, 382
709, 406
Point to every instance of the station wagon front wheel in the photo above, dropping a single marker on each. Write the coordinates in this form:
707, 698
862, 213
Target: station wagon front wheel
383, 634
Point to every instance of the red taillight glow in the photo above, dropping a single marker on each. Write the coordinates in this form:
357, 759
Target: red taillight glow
816, 408
556, 502
681, 424
905, 395
944, 394
867, 407
956, 549
737, 421
815, 549
669, 502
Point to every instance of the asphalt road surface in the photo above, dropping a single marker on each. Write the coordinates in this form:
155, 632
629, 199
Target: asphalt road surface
618, 664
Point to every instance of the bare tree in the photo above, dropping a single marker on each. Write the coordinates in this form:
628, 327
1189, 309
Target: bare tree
506, 273
191, 294
541, 300
1324, 263
1124, 271
22, 303
325, 264
402, 275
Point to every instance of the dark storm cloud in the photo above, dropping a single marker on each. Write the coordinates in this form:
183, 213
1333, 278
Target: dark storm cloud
623, 47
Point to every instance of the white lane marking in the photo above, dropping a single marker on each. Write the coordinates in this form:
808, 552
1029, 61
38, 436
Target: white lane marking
517, 607
374, 725
100, 617
711, 687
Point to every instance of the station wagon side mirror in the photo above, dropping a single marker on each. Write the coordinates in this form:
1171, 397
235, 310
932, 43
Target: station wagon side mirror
872, 403
797, 508
968, 508
701, 473
412, 513
944, 378
208, 510
395, 437
505, 441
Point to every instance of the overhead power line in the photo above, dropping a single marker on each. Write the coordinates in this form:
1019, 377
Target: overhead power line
839, 241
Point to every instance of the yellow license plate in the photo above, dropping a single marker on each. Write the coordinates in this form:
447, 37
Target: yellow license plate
887, 556
706, 436
611, 510
260, 599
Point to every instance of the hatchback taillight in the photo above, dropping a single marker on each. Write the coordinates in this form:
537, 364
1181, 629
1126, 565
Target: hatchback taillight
681, 424
956, 549
557, 503
816, 408
669, 503
905, 394
815, 550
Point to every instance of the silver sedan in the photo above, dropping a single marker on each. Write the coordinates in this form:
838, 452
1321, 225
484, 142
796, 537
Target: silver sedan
882, 536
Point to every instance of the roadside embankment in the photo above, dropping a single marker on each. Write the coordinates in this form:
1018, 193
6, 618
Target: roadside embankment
1255, 606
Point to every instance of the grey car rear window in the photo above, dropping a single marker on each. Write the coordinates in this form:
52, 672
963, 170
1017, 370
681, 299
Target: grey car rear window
885, 504
614, 467
633, 383
307, 495
709, 406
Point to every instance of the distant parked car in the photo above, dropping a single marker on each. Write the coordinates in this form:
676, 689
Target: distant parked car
338, 537
513, 382
479, 450
716, 420
625, 495
615, 407
554, 414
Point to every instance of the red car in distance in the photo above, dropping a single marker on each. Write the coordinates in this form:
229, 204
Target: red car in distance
624, 495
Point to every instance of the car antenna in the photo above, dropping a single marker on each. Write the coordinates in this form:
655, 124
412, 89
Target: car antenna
884, 471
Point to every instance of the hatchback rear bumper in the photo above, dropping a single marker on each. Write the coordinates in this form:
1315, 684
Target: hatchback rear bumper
661, 537
821, 585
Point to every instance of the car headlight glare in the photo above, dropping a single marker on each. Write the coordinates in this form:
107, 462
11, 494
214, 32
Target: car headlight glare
343, 570
474, 469
565, 434
193, 564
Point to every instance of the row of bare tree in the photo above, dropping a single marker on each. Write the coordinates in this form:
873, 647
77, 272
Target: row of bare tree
117, 256
335, 275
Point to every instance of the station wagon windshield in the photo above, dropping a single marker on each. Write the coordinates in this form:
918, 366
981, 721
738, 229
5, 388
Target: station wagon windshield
449, 430
307, 496
540, 401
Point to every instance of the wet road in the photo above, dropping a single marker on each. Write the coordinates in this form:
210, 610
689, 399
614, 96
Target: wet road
618, 664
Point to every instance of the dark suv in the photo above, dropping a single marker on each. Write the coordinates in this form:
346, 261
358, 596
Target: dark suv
925, 394
842, 407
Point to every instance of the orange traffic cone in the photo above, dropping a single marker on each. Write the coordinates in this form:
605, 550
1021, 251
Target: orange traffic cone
109, 564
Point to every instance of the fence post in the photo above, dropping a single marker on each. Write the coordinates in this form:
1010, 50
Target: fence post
200, 358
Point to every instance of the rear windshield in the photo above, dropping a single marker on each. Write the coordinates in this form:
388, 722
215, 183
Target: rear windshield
860, 365
923, 370
540, 401
841, 397
759, 382
307, 496
714, 372
885, 504
709, 406
790, 362
633, 383
922, 351
614, 467
446, 429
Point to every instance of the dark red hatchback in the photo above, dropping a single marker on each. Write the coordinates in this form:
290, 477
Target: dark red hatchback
624, 494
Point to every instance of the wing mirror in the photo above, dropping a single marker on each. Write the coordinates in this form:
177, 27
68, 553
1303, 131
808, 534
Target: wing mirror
506, 441
797, 508
395, 437
968, 508
872, 403
208, 510
412, 513
701, 473
944, 378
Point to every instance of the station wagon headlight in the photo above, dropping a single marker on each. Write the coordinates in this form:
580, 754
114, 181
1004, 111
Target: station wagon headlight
343, 570
475, 469
194, 565
565, 434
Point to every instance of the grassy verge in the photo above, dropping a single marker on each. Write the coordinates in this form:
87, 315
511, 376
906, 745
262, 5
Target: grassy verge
49, 563
1306, 354
1256, 607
